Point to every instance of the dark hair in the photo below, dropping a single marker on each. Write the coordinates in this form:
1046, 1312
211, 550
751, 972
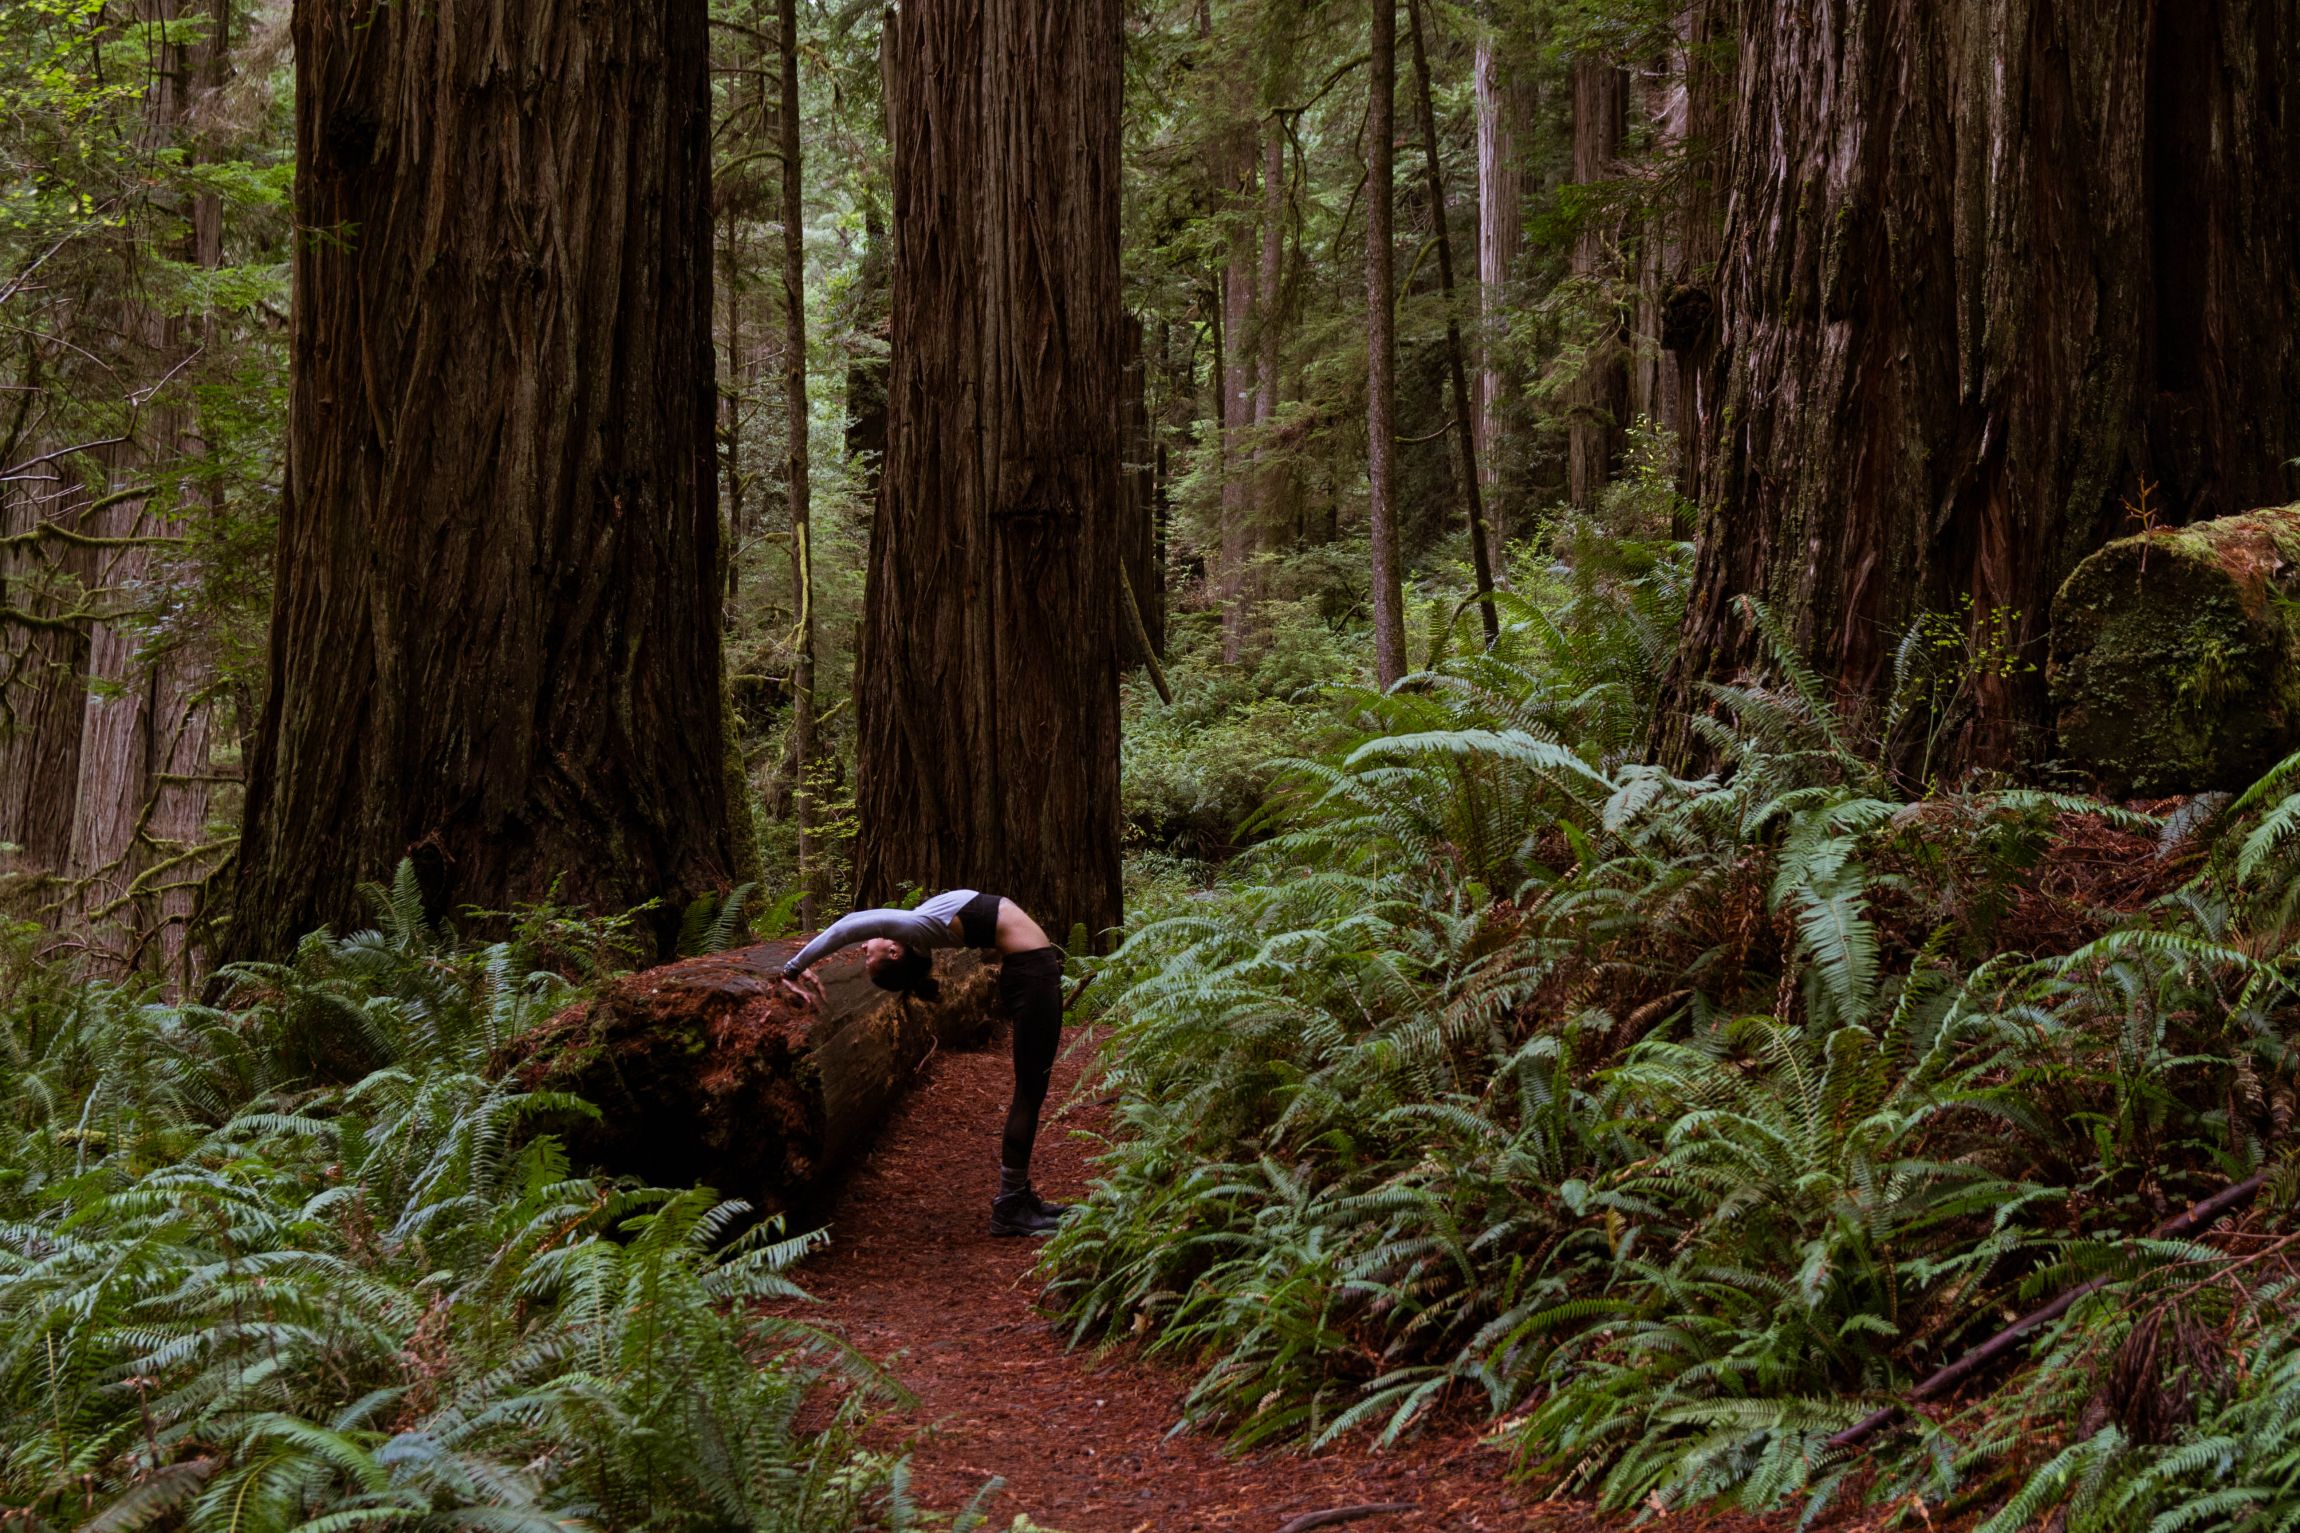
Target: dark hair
911, 972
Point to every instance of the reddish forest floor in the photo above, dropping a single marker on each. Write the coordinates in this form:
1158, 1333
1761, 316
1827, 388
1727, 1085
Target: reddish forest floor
1081, 1438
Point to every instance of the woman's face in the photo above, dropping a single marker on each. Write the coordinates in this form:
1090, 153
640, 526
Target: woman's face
881, 950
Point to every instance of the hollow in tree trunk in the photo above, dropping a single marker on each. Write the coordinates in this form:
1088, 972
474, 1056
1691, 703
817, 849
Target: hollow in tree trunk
988, 681
495, 631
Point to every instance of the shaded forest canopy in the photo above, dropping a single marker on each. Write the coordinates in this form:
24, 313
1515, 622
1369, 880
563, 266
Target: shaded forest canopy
1648, 644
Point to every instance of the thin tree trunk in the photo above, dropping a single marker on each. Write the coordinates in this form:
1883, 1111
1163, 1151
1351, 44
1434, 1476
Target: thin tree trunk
139, 725
1504, 124
43, 692
1986, 271
1464, 431
1598, 400
803, 745
1138, 529
731, 400
1388, 596
988, 684
1270, 331
495, 635
866, 373
1242, 306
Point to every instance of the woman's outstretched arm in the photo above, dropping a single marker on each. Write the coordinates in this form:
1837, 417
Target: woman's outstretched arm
905, 926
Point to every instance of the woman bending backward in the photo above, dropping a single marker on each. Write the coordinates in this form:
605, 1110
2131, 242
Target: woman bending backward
898, 948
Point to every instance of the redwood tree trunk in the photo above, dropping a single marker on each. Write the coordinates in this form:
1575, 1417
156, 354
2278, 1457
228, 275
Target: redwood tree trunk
1388, 597
495, 633
141, 790
1138, 498
43, 689
1987, 268
1464, 434
1504, 128
1241, 317
1598, 401
988, 682
803, 747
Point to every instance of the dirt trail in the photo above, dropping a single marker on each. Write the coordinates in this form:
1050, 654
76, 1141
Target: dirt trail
1080, 1438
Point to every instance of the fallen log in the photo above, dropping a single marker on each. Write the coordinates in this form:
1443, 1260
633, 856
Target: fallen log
2175, 658
712, 1071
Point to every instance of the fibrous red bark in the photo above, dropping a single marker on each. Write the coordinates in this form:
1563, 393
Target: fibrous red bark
495, 633
987, 685
1987, 269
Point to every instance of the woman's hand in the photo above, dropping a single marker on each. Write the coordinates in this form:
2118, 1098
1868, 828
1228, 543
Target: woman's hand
806, 987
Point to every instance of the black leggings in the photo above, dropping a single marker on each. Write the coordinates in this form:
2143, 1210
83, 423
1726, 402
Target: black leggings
1030, 989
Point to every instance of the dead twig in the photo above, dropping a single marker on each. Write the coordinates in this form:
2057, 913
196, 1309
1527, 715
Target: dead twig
1335, 1516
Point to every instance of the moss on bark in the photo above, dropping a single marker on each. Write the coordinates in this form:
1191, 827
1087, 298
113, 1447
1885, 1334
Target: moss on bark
2176, 655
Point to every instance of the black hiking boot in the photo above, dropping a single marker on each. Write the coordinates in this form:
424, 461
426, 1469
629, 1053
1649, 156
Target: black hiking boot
1019, 1210
1021, 1213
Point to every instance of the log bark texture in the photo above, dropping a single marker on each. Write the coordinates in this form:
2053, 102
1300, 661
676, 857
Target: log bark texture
987, 684
2176, 656
495, 633
1988, 267
710, 1071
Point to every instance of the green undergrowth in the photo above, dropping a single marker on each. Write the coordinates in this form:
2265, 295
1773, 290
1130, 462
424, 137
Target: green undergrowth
295, 1262
1673, 1124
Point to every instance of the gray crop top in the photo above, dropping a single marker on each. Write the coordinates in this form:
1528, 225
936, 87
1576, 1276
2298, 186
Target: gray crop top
925, 928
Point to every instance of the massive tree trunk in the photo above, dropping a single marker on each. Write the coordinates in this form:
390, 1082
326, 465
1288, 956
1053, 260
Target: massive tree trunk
1598, 400
1504, 129
1388, 597
495, 633
1990, 268
988, 687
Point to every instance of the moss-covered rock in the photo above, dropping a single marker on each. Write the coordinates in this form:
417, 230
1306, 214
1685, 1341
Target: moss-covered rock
2175, 661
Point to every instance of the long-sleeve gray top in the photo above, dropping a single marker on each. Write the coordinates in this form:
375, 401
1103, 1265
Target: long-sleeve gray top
926, 928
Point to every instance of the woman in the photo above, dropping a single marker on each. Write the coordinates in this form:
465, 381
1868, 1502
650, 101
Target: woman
898, 948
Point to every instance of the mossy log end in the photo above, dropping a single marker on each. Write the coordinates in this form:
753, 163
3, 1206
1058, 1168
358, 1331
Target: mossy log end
710, 1071
2175, 664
